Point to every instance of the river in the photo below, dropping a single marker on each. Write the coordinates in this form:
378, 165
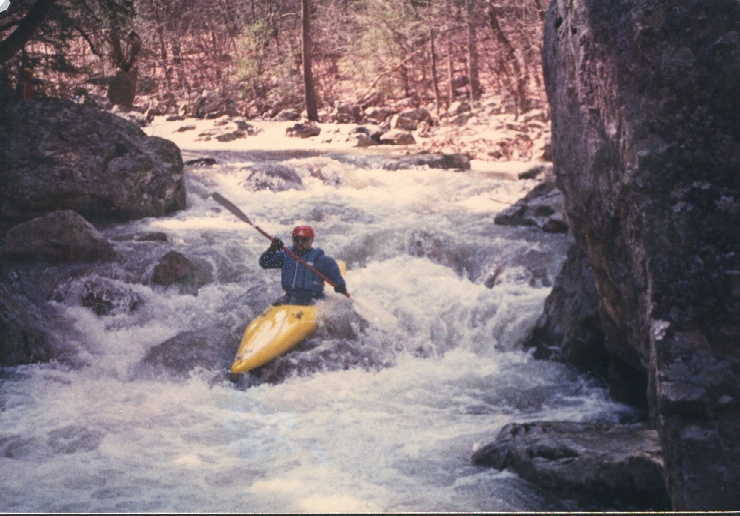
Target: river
363, 418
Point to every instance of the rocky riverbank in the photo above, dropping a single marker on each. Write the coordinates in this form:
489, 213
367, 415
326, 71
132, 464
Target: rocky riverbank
645, 138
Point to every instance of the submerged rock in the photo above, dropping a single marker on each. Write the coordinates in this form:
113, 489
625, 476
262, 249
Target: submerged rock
599, 464
209, 348
273, 177
176, 269
440, 161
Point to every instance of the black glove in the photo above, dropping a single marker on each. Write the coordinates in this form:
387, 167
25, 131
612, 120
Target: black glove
276, 245
341, 289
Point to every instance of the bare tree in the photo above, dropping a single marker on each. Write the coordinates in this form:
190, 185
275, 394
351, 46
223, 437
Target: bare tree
308, 82
24, 30
473, 69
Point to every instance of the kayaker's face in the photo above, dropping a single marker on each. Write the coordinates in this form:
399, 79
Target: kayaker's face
302, 243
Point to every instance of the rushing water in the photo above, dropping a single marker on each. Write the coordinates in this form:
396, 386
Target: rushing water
362, 419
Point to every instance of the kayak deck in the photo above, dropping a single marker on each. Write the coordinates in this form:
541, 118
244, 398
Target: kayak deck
277, 330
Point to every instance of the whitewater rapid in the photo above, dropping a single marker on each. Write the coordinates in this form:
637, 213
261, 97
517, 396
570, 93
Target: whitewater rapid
390, 430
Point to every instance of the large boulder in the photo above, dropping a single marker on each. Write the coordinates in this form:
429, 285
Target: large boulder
410, 119
601, 465
541, 207
60, 236
59, 155
645, 146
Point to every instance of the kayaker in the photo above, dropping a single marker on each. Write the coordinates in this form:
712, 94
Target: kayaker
302, 286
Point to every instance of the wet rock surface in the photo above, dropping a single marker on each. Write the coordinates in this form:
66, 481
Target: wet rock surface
60, 236
272, 177
541, 207
179, 356
187, 274
438, 161
645, 138
599, 464
59, 155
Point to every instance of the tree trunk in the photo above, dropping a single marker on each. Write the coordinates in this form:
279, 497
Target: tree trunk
24, 32
473, 69
519, 78
450, 58
435, 82
308, 83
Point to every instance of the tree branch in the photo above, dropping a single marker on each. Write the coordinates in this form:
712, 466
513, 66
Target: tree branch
24, 32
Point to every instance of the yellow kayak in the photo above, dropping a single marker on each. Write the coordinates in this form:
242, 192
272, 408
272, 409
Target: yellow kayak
273, 333
278, 330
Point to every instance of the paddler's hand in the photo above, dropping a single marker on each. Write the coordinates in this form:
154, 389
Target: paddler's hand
341, 289
276, 245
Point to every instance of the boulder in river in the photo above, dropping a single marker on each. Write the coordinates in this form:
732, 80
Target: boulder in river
599, 464
176, 269
30, 331
541, 207
439, 161
211, 348
644, 103
60, 236
275, 177
59, 155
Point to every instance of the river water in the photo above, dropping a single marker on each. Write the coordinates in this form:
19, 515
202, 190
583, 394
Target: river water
362, 418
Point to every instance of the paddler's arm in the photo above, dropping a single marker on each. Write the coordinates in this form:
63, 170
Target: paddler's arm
274, 257
329, 267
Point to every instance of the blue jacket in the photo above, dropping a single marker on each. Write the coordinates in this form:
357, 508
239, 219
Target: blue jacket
297, 279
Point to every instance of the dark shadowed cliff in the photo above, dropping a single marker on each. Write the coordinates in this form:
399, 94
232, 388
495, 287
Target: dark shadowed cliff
646, 142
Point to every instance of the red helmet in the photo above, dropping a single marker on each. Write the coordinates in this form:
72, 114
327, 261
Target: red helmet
303, 231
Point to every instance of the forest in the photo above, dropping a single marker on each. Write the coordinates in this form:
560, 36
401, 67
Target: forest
257, 58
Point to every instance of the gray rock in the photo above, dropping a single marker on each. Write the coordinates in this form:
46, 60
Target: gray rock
645, 148
31, 330
569, 330
201, 162
439, 161
409, 119
60, 236
105, 297
287, 115
347, 113
303, 130
188, 274
59, 155
378, 114
210, 348
599, 464
360, 140
272, 177
397, 137
541, 207
231, 136
536, 171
